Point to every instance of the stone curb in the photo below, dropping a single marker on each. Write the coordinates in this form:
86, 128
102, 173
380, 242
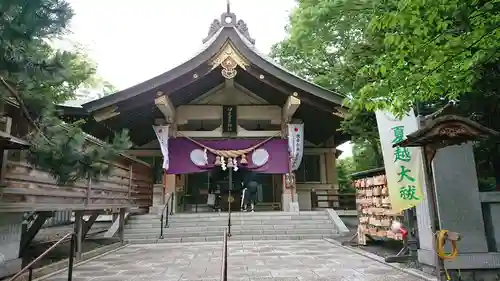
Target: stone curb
79, 263
411, 271
341, 227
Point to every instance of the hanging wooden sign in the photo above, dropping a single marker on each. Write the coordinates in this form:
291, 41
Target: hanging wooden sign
229, 119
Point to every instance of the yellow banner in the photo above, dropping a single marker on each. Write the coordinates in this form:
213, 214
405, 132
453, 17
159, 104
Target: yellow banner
403, 165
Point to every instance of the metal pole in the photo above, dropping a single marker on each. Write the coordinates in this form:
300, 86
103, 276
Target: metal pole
172, 202
166, 216
229, 201
161, 226
30, 274
197, 196
72, 245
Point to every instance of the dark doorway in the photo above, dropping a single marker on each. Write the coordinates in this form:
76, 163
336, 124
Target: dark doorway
199, 185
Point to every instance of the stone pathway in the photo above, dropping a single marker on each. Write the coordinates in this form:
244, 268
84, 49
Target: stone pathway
248, 260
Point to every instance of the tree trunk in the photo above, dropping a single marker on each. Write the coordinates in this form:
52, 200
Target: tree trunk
378, 159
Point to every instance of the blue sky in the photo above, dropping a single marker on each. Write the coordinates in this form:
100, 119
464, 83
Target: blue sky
133, 41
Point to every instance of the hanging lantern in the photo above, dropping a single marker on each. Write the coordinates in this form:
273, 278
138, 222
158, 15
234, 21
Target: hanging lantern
244, 160
217, 161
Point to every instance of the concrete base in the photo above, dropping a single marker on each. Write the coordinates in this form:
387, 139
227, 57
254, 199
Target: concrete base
157, 208
10, 267
342, 228
286, 200
158, 196
294, 207
10, 239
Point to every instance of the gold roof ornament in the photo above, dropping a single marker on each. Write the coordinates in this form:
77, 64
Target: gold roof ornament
228, 58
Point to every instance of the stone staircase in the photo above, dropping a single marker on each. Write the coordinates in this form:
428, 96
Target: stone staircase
202, 227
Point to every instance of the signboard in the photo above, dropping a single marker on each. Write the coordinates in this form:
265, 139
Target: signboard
162, 135
229, 119
403, 165
296, 144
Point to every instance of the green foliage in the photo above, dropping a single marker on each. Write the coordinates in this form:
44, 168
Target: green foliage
345, 167
432, 50
326, 43
367, 156
42, 76
395, 55
68, 155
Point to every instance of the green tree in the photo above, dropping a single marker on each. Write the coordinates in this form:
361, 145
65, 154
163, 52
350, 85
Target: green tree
432, 51
38, 77
326, 43
398, 55
345, 167
366, 156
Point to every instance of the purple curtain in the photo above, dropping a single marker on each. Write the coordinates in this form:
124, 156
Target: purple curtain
180, 150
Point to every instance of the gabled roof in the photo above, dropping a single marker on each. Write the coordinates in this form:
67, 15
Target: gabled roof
227, 29
228, 44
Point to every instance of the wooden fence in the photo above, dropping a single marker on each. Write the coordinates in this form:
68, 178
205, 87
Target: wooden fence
333, 199
25, 188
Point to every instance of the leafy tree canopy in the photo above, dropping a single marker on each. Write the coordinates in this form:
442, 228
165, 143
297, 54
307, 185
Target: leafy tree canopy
395, 55
326, 43
38, 77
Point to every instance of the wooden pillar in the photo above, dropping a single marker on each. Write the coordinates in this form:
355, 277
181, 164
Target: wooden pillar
121, 227
28, 234
79, 234
5, 153
170, 183
331, 169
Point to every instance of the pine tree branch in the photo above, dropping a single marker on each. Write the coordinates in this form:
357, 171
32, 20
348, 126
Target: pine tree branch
24, 109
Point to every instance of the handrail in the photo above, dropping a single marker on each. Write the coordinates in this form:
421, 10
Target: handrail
70, 259
223, 273
170, 199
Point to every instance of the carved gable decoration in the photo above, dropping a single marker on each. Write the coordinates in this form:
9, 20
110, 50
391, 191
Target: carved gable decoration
229, 19
242, 27
447, 131
229, 59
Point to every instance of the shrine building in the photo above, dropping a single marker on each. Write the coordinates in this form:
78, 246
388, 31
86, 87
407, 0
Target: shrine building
227, 108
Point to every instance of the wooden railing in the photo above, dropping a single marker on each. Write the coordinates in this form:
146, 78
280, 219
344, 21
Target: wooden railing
72, 246
26, 188
165, 213
333, 199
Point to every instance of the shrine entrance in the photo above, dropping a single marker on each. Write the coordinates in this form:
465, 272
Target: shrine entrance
216, 181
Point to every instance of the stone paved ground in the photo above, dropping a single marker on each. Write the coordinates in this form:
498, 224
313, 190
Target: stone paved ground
249, 260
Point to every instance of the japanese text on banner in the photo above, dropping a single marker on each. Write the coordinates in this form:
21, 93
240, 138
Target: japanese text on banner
402, 164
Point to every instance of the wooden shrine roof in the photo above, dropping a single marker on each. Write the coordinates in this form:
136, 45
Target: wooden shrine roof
200, 74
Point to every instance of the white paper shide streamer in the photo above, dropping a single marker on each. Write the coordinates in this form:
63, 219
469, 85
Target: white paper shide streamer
162, 135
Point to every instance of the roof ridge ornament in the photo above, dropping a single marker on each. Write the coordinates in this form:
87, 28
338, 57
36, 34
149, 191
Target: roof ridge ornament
228, 19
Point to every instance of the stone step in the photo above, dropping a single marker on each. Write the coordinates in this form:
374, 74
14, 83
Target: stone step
235, 232
233, 238
237, 213
136, 228
222, 223
215, 229
249, 216
224, 218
